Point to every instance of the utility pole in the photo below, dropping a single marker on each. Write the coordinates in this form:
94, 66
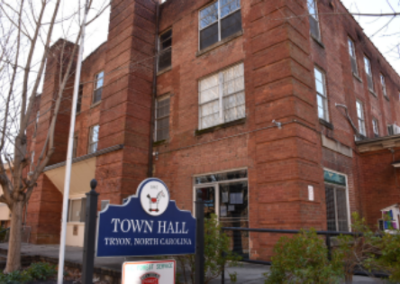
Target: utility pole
69, 153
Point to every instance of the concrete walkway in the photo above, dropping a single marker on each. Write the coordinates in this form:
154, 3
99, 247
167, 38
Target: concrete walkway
246, 273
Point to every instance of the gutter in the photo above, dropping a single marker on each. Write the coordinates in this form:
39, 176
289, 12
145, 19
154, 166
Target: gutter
154, 93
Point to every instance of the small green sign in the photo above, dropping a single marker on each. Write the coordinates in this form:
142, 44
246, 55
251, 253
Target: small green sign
334, 178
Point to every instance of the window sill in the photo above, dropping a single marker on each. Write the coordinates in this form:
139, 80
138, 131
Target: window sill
373, 93
358, 78
159, 143
217, 44
220, 126
326, 124
95, 104
164, 71
318, 41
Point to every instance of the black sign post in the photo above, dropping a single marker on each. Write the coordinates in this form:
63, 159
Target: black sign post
199, 261
90, 234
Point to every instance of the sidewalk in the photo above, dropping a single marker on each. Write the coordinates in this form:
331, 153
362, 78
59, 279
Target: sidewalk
246, 273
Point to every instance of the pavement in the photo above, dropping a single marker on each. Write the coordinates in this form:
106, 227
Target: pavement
246, 272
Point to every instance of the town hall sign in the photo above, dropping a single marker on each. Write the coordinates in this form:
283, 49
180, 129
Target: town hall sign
146, 224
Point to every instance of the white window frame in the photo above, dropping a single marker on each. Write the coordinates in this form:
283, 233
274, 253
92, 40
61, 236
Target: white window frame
361, 118
91, 137
375, 126
157, 118
383, 85
315, 16
218, 20
323, 96
368, 71
352, 53
347, 195
221, 96
159, 51
97, 78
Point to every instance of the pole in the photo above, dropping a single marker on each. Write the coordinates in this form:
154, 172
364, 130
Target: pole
69, 153
90, 234
199, 261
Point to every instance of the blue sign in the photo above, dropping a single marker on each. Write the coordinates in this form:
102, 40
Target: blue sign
146, 224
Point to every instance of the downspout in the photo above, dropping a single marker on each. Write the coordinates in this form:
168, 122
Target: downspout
154, 91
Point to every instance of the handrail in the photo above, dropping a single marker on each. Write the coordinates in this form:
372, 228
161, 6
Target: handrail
326, 233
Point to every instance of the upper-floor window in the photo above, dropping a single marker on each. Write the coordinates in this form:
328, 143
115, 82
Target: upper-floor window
164, 50
222, 97
37, 122
361, 118
375, 127
79, 101
93, 138
218, 21
368, 71
313, 18
322, 98
383, 84
98, 87
162, 119
353, 57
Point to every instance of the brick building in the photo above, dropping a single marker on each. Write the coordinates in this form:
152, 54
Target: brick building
283, 113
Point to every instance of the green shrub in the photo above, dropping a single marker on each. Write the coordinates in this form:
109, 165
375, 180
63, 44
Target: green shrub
303, 259
216, 253
390, 255
37, 271
41, 270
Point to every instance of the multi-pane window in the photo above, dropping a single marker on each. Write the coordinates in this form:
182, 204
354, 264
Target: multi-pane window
336, 202
322, 100
383, 84
98, 87
222, 97
93, 138
353, 57
368, 71
165, 50
162, 119
75, 146
313, 18
361, 118
76, 210
79, 101
218, 21
375, 127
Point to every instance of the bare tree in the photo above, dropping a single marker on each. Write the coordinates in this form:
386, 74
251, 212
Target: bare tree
27, 28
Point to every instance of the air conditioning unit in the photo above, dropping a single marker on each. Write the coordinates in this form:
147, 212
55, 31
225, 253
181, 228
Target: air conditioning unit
393, 129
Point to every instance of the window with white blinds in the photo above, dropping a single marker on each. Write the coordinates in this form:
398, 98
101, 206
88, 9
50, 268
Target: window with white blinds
162, 119
222, 97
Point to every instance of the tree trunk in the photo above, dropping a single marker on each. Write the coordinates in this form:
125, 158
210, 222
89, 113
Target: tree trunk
14, 240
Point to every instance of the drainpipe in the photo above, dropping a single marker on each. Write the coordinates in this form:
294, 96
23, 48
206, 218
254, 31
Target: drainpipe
154, 92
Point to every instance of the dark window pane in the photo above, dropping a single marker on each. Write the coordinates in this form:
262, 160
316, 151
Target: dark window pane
314, 27
165, 36
208, 196
97, 95
231, 24
79, 102
354, 65
209, 36
330, 207
341, 204
164, 59
162, 131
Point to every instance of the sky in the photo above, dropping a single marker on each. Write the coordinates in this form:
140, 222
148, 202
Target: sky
385, 39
